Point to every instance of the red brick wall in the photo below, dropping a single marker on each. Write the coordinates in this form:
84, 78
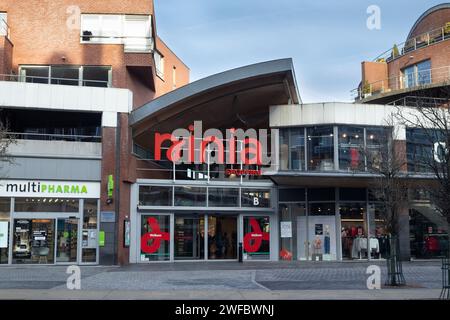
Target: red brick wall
374, 73
6, 51
170, 60
46, 39
432, 21
439, 54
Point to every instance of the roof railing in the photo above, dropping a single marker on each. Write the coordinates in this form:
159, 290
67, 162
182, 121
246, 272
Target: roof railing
413, 80
53, 80
418, 42
4, 29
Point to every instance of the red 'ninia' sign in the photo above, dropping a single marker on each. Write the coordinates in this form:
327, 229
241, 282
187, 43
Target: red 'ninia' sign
254, 239
156, 235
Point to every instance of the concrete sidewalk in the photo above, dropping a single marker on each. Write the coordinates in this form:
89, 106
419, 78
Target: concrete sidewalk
383, 294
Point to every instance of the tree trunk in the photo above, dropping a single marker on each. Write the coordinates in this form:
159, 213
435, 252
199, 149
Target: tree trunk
394, 264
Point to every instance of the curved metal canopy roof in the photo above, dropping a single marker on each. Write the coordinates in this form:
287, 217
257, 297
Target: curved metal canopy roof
273, 81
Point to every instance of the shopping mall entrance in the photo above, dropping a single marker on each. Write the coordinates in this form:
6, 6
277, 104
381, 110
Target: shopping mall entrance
203, 237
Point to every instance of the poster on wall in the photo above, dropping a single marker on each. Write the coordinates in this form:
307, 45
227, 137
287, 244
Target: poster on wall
3, 234
319, 229
286, 229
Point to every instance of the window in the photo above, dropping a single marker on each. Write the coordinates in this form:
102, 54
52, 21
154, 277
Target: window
159, 63
351, 143
46, 205
134, 31
190, 196
155, 196
297, 149
3, 24
223, 197
174, 77
377, 140
71, 75
421, 148
255, 198
417, 74
320, 148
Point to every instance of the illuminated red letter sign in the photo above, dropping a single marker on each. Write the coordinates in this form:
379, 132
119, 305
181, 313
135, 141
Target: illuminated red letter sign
155, 234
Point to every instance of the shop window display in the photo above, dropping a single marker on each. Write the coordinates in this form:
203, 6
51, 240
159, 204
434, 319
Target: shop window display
33, 241
289, 214
428, 234
89, 232
353, 230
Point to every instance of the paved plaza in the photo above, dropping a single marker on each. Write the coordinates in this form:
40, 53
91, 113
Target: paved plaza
220, 280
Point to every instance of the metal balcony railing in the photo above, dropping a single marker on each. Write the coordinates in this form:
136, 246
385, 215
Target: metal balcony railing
420, 41
54, 137
414, 80
52, 80
4, 29
131, 43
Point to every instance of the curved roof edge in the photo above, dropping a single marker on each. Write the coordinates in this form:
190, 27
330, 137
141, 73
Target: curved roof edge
215, 81
426, 13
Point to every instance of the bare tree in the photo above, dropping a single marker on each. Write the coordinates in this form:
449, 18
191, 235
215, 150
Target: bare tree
6, 139
432, 117
389, 186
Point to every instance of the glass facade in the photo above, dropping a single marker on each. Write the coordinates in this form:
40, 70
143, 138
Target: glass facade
356, 148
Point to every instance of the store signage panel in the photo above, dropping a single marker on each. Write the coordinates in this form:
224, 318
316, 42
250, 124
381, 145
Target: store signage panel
49, 189
107, 216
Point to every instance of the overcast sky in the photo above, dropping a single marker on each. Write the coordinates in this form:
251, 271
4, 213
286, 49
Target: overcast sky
327, 39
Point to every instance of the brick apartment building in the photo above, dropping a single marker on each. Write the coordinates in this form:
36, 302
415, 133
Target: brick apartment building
70, 72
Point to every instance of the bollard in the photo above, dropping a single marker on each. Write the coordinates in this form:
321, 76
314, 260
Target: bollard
240, 252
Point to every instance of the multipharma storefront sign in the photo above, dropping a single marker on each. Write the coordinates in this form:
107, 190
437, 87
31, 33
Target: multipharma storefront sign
49, 189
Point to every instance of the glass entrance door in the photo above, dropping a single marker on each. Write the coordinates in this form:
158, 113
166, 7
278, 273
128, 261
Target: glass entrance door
189, 237
222, 237
67, 240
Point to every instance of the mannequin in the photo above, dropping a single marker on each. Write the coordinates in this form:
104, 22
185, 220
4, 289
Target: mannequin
327, 240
